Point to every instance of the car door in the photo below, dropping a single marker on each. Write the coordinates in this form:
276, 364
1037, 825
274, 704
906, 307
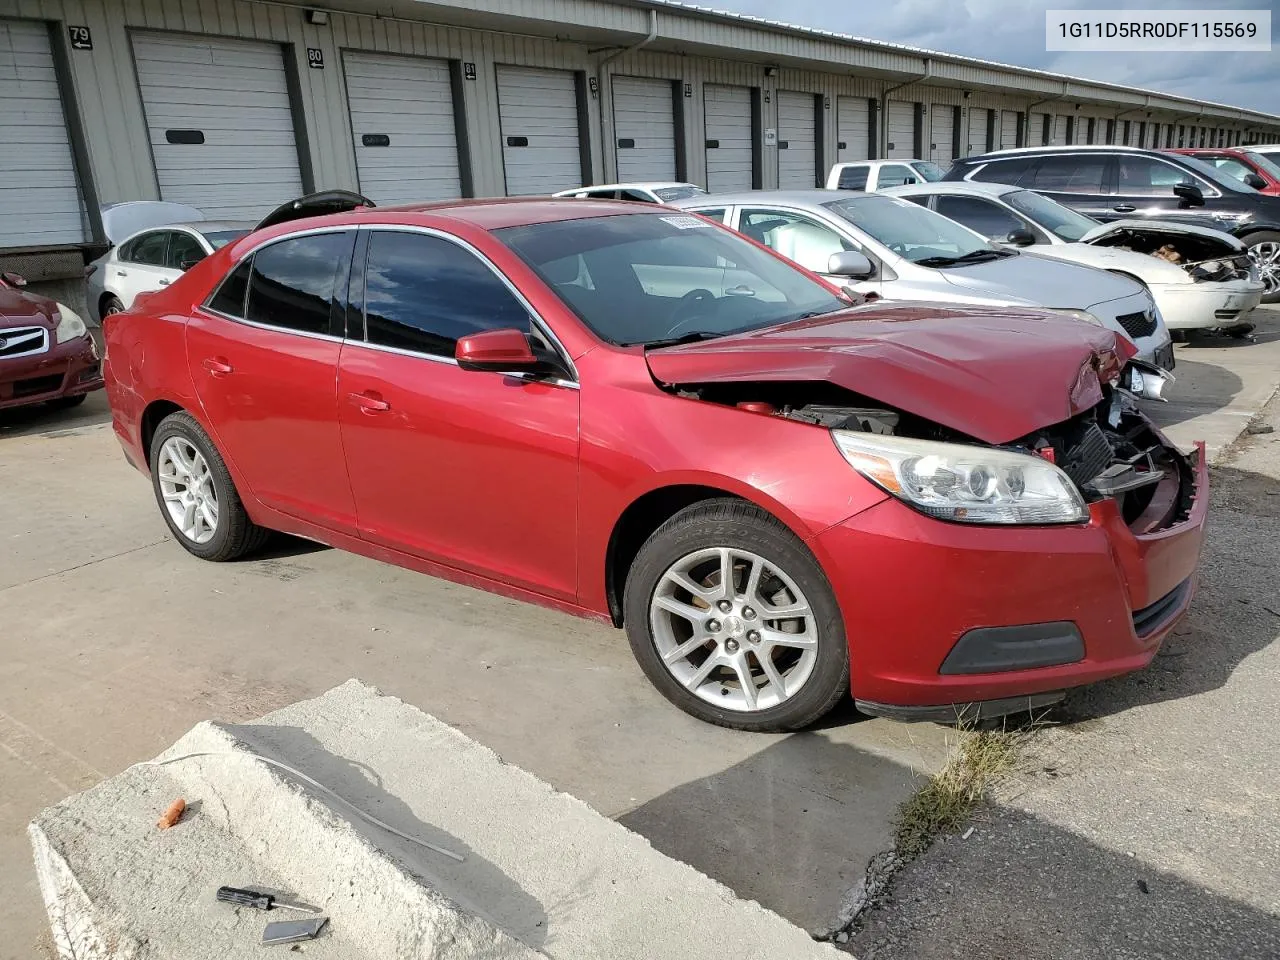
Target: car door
140, 266
263, 355
1144, 188
1078, 180
475, 470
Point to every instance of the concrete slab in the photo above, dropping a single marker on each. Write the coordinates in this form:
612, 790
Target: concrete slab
540, 873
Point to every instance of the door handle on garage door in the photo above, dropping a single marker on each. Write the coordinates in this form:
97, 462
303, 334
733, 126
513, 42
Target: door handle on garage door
217, 366
1124, 208
369, 402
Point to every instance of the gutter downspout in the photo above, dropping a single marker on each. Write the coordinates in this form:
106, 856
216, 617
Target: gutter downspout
883, 146
1026, 131
606, 113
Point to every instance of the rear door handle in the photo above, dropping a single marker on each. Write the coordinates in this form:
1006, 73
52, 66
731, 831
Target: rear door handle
121, 273
217, 367
1124, 208
369, 402
164, 283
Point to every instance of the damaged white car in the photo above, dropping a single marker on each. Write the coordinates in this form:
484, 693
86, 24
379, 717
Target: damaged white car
1200, 278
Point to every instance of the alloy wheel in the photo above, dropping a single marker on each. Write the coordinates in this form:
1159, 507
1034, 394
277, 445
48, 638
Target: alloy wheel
1266, 255
734, 629
186, 485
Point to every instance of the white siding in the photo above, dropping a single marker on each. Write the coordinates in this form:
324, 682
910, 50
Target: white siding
409, 101
729, 148
901, 130
853, 129
39, 194
942, 134
797, 141
541, 151
644, 129
234, 94
1008, 129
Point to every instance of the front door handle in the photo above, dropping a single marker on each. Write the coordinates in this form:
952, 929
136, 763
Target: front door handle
121, 273
1124, 208
217, 366
164, 283
369, 402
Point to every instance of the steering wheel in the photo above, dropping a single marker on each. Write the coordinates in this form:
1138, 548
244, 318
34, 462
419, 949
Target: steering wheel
688, 307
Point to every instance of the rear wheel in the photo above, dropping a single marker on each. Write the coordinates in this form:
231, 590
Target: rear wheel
732, 619
110, 305
197, 497
1264, 249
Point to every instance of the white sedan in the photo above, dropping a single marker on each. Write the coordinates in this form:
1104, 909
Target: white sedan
1199, 278
641, 192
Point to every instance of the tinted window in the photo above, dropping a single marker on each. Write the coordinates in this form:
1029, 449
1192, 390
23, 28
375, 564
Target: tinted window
983, 216
716, 214
895, 175
921, 199
184, 250
931, 172
291, 284
666, 194
147, 249
422, 293
635, 195
853, 178
1145, 177
1004, 171
220, 238
230, 296
1078, 173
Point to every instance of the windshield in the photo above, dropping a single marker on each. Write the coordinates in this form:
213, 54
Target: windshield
666, 194
931, 172
1214, 175
1060, 220
641, 278
220, 238
913, 232
1271, 166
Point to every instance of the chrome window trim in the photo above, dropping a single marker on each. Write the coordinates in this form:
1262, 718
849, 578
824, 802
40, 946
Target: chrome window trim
451, 362
205, 308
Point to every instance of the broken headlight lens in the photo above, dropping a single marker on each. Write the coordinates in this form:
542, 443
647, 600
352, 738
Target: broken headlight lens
967, 484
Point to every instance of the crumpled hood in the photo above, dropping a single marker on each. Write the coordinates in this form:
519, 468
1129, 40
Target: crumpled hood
1162, 226
995, 375
18, 309
1041, 281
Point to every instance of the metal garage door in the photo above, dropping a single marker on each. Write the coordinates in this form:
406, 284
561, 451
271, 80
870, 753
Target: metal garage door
729, 146
1059, 130
979, 117
644, 129
403, 123
853, 129
942, 134
1008, 129
538, 112
220, 123
39, 196
901, 130
797, 141
1035, 131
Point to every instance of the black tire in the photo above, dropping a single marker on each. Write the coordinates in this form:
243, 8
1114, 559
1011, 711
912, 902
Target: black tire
1252, 240
235, 534
66, 403
739, 525
111, 304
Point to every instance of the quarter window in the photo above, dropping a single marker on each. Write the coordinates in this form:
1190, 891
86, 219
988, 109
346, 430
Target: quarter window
1070, 174
1006, 171
423, 292
147, 249
229, 299
291, 284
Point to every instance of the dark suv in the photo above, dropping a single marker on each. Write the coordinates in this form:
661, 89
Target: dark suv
1117, 183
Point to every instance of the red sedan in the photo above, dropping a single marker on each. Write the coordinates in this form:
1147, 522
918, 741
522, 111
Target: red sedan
1242, 164
636, 415
46, 352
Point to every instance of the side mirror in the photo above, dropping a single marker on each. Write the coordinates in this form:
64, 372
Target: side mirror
1189, 194
1255, 181
1021, 237
851, 264
14, 279
187, 264
501, 351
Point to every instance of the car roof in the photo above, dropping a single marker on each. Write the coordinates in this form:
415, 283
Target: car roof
953, 186
639, 185
1046, 151
803, 197
850, 163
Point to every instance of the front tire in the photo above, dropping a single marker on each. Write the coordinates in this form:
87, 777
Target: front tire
196, 495
1264, 250
765, 653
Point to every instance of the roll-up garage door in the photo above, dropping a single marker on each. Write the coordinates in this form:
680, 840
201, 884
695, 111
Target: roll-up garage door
1035, 131
39, 195
1008, 129
220, 123
538, 113
1059, 130
979, 117
729, 146
853, 129
942, 134
644, 128
901, 130
797, 141
403, 122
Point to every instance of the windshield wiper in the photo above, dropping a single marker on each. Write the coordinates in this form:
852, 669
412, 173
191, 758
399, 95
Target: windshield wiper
973, 256
691, 337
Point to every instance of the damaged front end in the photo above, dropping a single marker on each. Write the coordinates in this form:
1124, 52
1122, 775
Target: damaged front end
1207, 256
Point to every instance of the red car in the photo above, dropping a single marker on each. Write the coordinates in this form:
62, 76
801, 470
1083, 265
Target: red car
46, 352
634, 414
1242, 164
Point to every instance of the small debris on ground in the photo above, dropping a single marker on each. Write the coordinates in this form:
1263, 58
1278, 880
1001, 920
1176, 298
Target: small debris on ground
172, 815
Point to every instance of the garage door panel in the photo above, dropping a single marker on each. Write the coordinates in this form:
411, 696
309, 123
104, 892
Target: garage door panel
942, 133
730, 164
644, 113
797, 129
853, 129
539, 108
901, 130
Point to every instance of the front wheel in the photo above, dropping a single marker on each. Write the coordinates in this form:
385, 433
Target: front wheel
732, 619
1264, 250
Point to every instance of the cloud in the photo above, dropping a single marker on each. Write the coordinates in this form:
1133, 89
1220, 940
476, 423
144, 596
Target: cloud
1012, 31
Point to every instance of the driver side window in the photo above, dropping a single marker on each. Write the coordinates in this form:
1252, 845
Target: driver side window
795, 236
1145, 177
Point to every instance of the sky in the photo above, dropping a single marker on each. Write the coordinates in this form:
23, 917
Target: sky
1012, 31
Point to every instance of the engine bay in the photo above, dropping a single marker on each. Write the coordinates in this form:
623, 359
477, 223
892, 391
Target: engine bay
1202, 257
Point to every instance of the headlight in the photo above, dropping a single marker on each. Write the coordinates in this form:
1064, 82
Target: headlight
70, 325
969, 484
1084, 315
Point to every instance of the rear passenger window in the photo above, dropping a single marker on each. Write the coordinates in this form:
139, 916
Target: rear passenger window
1070, 174
229, 299
291, 284
147, 249
853, 178
422, 293
1004, 171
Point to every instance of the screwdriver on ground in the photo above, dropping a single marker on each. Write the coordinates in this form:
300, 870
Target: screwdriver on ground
256, 900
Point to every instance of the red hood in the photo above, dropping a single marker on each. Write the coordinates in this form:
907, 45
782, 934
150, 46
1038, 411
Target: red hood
18, 309
994, 375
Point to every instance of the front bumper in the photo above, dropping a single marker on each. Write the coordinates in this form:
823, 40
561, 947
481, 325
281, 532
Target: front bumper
1206, 305
910, 587
64, 370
